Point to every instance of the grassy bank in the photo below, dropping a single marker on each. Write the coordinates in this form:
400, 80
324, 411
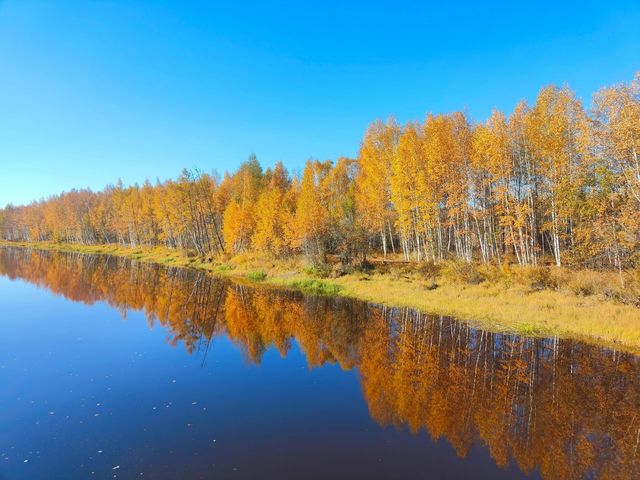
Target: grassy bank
590, 306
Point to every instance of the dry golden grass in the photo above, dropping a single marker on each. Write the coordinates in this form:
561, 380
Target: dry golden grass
502, 307
586, 305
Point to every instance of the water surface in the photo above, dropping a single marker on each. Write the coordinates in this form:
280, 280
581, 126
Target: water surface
117, 369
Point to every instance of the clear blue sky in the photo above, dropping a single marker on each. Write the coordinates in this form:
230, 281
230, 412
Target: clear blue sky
91, 91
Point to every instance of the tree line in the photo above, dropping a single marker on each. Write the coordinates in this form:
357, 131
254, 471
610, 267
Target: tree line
551, 182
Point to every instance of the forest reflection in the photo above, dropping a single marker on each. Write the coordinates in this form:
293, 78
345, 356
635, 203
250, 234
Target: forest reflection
564, 408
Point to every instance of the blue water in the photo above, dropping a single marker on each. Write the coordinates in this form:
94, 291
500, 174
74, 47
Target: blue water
86, 393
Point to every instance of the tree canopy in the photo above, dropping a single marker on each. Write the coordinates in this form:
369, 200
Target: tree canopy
551, 181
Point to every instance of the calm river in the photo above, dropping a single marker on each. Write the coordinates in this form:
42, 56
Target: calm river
116, 369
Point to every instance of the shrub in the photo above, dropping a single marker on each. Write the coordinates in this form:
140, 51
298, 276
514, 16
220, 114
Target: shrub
321, 270
529, 330
494, 273
463, 272
257, 276
364, 266
629, 294
429, 270
395, 273
339, 270
586, 283
537, 277
559, 277
317, 287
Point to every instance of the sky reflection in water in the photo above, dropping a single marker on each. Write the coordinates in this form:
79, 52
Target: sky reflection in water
258, 383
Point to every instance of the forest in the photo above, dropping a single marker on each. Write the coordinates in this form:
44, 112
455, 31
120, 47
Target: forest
551, 183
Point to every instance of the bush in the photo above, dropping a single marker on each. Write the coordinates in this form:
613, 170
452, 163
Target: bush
317, 287
463, 272
339, 270
629, 294
586, 283
429, 270
529, 330
224, 267
319, 270
395, 273
257, 276
537, 277
583, 283
364, 266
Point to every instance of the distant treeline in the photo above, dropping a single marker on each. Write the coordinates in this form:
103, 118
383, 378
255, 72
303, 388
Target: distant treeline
552, 181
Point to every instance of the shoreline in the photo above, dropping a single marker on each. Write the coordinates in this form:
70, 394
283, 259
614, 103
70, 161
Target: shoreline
490, 305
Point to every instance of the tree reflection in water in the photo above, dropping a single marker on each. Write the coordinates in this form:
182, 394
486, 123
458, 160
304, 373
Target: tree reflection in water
567, 409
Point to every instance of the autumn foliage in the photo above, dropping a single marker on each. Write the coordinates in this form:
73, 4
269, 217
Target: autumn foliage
551, 182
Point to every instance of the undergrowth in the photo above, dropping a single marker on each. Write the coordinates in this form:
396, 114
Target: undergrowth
316, 287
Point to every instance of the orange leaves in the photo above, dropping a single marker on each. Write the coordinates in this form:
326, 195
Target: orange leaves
311, 220
238, 225
270, 219
373, 180
549, 181
409, 192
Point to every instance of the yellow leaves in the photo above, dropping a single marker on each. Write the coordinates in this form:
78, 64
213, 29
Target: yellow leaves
617, 112
280, 178
490, 147
238, 224
431, 170
521, 186
409, 188
311, 220
555, 126
270, 219
372, 192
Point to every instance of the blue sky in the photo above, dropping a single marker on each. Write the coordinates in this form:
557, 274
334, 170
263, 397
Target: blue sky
93, 91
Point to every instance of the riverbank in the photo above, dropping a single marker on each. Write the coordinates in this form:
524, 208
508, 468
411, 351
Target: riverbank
584, 305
